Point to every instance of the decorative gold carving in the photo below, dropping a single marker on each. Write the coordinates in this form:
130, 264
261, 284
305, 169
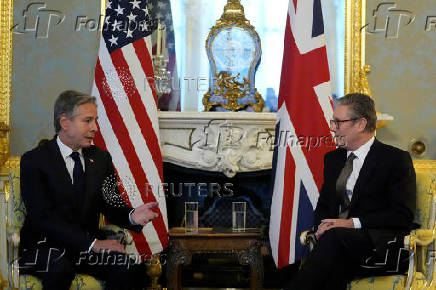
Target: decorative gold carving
355, 72
6, 14
232, 90
233, 13
424, 165
363, 80
4, 142
13, 162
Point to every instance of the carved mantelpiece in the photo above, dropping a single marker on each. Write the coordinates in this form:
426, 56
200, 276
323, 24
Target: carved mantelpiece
223, 142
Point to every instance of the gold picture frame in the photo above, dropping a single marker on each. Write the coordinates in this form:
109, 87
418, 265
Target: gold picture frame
6, 14
355, 69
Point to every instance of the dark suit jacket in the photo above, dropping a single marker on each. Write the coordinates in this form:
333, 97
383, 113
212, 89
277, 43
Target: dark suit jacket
384, 197
55, 213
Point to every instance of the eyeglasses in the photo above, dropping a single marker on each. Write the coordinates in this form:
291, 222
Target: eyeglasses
337, 123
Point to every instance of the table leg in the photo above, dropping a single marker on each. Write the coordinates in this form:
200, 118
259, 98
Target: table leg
253, 257
176, 258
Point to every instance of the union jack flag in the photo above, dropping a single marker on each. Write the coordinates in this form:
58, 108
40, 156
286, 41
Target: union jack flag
302, 132
128, 120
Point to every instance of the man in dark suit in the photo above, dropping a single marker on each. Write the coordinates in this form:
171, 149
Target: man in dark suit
366, 204
61, 186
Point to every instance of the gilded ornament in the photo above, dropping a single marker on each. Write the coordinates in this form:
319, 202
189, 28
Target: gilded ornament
233, 48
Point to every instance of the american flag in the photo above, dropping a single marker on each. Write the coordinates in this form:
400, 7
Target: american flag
305, 109
128, 120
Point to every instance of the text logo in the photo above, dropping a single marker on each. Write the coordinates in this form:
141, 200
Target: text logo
38, 19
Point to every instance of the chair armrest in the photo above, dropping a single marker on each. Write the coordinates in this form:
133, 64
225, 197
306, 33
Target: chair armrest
423, 237
308, 238
417, 238
13, 238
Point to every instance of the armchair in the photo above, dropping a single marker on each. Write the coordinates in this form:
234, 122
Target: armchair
421, 242
15, 216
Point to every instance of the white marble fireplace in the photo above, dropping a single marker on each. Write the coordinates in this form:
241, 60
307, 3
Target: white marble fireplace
227, 142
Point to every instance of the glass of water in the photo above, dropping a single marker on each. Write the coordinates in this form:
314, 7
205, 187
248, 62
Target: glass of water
238, 216
191, 217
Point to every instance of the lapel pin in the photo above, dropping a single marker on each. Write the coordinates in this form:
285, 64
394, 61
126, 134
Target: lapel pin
91, 160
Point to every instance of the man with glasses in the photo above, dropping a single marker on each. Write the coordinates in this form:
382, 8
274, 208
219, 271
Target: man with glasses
366, 204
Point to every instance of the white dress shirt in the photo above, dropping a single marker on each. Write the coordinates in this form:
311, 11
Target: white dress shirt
69, 162
361, 154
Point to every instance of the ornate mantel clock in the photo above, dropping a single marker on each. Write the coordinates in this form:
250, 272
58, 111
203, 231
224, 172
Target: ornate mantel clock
233, 49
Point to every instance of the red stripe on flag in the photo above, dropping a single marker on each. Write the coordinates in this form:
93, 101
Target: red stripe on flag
138, 108
140, 241
141, 51
287, 207
122, 134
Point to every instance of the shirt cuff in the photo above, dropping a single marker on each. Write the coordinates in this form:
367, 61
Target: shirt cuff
130, 218
91, 246
357, 224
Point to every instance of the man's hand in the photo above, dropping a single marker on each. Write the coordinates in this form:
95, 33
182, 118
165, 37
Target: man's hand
144, 213
333, 223
108, 245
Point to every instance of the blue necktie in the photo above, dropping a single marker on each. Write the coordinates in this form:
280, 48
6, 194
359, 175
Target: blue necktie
79, 182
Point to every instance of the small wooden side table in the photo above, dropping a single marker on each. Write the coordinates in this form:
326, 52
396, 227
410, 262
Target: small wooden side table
244, 245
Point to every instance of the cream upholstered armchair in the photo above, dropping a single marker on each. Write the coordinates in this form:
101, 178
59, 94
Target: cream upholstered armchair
421, 242
16, 213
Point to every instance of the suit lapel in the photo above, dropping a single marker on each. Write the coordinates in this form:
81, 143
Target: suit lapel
366, 171
61, 170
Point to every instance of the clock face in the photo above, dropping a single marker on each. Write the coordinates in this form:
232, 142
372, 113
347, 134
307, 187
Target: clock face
233, 50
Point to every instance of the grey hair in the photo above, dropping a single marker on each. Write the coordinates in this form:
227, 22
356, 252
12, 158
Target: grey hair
362, 106
67, 104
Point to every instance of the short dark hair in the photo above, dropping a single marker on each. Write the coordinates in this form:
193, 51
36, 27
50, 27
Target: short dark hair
362, 106
67, 103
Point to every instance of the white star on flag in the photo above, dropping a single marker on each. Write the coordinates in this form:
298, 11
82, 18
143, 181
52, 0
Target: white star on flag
129, 33
113, 40
131, 17
135, 4
119, 10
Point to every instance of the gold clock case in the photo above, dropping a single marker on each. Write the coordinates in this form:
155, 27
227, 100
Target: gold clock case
226, 84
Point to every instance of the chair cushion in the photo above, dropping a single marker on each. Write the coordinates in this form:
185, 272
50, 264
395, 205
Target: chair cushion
81, 281
394, 282
28, 282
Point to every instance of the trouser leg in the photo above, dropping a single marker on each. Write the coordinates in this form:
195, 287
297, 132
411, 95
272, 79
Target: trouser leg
332, 263
118, 271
